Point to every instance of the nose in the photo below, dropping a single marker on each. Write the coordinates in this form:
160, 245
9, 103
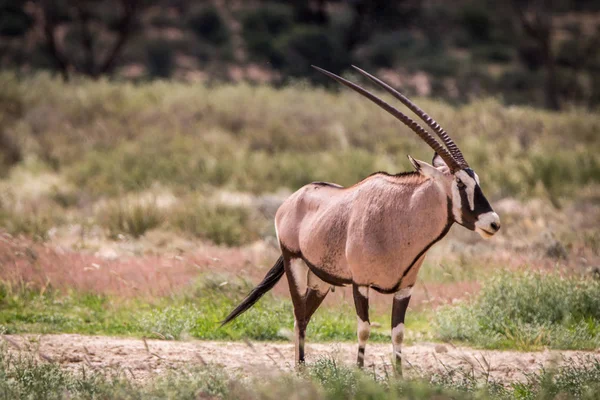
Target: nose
495, 226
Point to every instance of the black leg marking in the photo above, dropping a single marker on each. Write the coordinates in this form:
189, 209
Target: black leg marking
401, 300
361, 303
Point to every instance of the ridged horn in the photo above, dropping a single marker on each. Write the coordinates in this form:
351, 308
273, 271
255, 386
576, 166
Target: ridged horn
443, 135
418, 129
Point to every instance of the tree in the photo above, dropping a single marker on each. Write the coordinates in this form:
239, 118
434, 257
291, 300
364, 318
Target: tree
537, 20
98, 33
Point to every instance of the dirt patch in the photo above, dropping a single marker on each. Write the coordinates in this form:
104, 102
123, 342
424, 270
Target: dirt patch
142, 359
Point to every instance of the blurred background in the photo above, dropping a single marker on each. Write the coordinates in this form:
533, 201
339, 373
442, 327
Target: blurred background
543, 53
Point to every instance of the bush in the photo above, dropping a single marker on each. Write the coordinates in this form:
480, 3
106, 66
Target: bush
476, 20
160, 59
493, 53
527, 310
130, 218
262, 25
383, 50
207, 24
221, 224
309, 45
14, 21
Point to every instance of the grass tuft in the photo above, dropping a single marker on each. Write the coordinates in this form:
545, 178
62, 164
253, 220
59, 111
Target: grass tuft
220, 223
528, 310
130, 218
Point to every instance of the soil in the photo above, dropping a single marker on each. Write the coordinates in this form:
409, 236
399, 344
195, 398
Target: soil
142, 359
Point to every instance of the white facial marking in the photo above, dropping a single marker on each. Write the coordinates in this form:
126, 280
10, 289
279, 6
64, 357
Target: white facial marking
456, 204
470, 187
484, 222
363, 330
403, 293
470, 184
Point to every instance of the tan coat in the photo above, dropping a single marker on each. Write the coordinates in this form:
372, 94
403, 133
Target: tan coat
374, 233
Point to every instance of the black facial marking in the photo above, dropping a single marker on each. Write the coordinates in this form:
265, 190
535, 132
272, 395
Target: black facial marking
480, 203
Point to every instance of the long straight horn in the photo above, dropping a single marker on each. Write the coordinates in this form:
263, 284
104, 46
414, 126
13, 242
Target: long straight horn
452, 147
423, 134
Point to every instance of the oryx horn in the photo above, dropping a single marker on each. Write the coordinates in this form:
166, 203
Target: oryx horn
452, 147
418, 129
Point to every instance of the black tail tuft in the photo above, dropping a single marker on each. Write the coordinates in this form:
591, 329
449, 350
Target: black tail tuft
267, 284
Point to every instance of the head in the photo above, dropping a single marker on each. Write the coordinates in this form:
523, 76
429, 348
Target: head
470, 208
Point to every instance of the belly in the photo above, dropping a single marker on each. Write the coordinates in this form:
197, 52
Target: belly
322, 240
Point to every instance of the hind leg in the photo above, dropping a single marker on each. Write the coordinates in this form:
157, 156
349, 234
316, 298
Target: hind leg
307, 293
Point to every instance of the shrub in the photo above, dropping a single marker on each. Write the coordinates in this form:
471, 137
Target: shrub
476, 20
262, 25
304, 46
207, 24
493, 53
160, 59
527, 310
384, 49
130, 218
14, 21
219, 223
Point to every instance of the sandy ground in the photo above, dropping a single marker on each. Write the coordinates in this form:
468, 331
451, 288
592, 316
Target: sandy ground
142, 359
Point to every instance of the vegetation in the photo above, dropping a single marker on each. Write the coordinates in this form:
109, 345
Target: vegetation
22, 376
181, 136
100, 172
527, 52
113, 144
194, 313
527, 311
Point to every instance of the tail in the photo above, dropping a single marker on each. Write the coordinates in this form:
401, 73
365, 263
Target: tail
267, 284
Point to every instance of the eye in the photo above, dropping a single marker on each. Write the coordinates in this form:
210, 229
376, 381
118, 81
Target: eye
460, 183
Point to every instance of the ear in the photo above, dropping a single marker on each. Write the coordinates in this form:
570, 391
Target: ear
426, 169
439, 163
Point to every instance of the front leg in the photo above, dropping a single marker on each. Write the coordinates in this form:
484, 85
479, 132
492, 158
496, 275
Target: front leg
401, 299
361, 303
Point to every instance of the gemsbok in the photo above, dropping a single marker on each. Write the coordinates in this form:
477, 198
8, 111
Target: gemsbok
374, 234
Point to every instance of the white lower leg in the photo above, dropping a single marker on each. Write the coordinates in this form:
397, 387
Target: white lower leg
397, 339
363, 332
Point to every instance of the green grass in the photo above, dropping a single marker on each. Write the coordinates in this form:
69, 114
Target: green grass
195, 313
130, 218
523, 311
527, 311
220, 223
23, 376
113, 137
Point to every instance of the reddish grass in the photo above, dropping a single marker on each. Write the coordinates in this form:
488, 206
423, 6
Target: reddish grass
43, 265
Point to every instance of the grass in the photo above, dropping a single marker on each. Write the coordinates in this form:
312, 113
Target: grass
24, 376
109, 137
195, 313
220, 223
527, 311
130, 218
